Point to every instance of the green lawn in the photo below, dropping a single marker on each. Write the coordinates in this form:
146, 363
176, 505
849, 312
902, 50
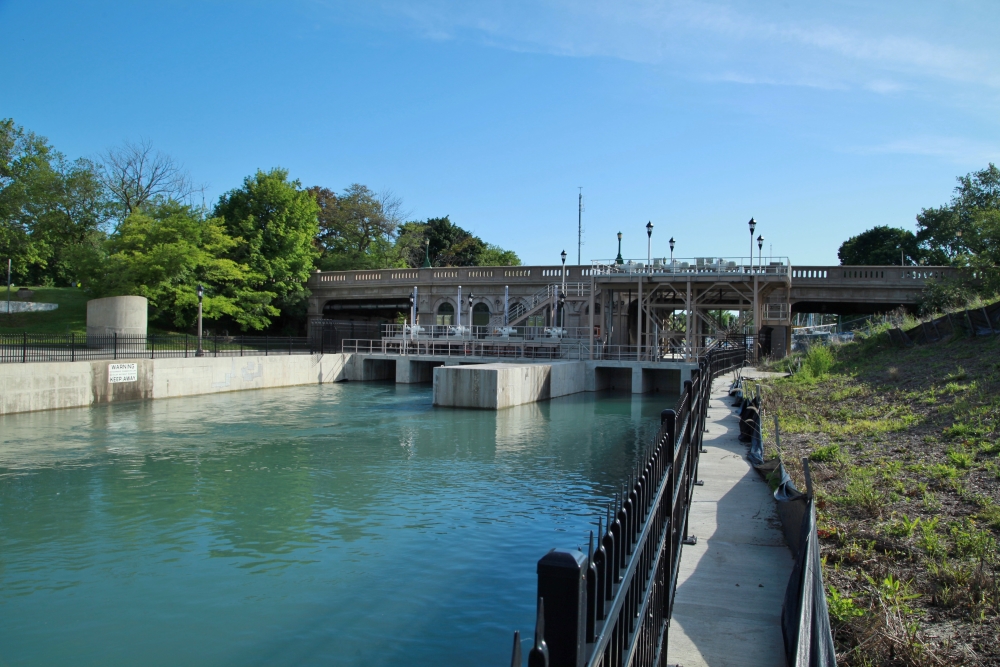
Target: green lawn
70, 317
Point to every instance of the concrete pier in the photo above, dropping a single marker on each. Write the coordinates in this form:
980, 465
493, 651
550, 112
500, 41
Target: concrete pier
731, 583
498, 386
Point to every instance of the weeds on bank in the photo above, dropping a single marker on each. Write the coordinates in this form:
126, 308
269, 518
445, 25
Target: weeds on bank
905, 452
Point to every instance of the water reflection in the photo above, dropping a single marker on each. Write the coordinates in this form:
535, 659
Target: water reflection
338, 524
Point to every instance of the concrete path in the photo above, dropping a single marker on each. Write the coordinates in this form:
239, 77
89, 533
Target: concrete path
732, 582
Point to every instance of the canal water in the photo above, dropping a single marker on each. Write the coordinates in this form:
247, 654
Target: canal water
341, 524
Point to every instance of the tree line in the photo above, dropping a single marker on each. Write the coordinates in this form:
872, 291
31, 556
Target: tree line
126, 222
964, 233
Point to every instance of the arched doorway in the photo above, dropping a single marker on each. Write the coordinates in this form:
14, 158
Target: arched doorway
480, 315
446, 314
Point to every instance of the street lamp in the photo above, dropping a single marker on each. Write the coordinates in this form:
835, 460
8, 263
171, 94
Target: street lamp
753, 225
649, 244
760, 251
427, 253
618, 259
562, 294
671, 253
201, 293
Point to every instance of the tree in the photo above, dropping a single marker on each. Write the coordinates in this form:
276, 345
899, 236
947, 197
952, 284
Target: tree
163, 252
450, 245
965, 232
880, 246
135, 174
357, 229
47, 206
275, 224
953, 233
494, 255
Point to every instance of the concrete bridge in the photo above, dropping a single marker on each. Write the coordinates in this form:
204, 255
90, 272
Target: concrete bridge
666, 306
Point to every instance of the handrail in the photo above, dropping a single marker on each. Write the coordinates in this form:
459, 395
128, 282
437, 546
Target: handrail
624, 623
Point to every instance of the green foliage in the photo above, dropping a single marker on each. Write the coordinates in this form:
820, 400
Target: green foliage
971, 542
357, 229
842, 608
818, 361
449, 245
930, 540
961, 459
48, 206
162, 253
965, 232
274, 224
880, 246
904, 526
494, 255
825, 454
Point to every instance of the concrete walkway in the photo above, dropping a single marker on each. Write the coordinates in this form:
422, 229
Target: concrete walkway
732, 582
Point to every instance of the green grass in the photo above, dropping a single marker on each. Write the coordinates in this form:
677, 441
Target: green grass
70, 317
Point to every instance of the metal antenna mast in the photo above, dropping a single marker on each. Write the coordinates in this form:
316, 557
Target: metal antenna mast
579, 226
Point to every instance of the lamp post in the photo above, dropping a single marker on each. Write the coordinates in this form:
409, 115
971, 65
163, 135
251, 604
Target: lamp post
753, 225
671, 253
562, 294
201, 293
471, 323
427, 253
458, 307
760, 253
649, 244
618, 259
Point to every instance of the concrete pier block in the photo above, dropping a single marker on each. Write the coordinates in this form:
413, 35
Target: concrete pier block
498, 386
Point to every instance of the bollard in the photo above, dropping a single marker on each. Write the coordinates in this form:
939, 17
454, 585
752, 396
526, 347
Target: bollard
562, 583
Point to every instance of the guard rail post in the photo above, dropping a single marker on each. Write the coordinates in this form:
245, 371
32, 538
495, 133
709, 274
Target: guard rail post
562, 583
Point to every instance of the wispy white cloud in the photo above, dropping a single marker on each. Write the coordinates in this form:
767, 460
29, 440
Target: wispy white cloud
955, 149
756, 43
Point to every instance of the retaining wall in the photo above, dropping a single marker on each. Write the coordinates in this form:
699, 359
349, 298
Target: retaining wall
49, 386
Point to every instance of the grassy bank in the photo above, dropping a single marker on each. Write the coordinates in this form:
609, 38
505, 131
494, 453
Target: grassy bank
904, 447
69, 317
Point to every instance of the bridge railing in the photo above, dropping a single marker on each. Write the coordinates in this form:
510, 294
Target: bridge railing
464, 275
478, 332
773, 266
611, 606
868, 275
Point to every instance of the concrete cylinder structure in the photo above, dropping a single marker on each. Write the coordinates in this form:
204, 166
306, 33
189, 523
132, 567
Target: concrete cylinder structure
122, 315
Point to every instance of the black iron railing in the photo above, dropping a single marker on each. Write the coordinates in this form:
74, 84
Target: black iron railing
27, 348
611, 606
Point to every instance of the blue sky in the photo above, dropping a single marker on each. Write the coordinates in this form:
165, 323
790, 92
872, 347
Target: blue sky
819, 119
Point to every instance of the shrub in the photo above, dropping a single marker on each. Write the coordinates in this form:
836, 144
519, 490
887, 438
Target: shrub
818, 361
824, 454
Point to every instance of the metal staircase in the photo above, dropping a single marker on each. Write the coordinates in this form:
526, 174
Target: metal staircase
524, 308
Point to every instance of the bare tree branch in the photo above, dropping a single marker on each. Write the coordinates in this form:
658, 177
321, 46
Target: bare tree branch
134, 173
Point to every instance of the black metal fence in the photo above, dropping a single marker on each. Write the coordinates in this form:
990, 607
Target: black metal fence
325, 337
27, 348
611, 606
329, 335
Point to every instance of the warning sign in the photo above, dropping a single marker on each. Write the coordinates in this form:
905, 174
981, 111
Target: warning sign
123, 372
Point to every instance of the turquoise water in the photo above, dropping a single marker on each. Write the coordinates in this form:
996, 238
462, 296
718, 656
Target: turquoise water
345, 524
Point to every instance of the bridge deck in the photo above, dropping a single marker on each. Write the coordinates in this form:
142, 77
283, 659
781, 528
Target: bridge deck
732, 582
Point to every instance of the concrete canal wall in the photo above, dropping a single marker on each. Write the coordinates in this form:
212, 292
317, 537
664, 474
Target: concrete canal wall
54, 385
